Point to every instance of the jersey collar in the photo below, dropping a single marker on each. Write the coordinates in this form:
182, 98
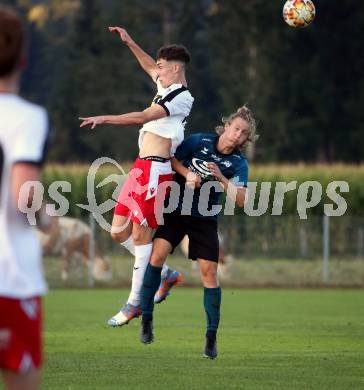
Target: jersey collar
172, 87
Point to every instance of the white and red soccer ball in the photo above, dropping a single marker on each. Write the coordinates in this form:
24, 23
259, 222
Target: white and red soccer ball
299, 13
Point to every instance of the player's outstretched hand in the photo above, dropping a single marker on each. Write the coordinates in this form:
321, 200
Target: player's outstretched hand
124, 36
215, 171
92, 120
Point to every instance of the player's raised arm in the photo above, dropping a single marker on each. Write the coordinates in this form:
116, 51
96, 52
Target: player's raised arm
144, 59
132, 118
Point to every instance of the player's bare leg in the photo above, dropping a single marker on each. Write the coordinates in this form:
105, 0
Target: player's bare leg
212, 302
16, 381
161, 249
142, 235
208, 270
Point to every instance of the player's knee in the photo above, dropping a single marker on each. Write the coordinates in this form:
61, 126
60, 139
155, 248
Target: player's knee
209, 276
141, 236
138, 237
119, 236
157, 260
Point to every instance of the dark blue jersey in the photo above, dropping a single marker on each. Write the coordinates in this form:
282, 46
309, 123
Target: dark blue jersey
194, 153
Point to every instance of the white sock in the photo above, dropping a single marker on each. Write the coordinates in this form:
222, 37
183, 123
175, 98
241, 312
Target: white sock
129, 245
164, 270
142, 257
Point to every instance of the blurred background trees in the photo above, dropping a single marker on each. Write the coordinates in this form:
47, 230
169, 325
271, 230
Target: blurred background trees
306, 86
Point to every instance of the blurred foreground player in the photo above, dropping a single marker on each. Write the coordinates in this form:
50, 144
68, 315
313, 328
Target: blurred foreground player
209, 164
23, 136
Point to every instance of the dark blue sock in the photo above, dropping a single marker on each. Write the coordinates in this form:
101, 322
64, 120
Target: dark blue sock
212, 303
151, 282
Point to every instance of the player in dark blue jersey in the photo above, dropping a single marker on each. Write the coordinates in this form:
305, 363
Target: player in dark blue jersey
200, 155
206, 165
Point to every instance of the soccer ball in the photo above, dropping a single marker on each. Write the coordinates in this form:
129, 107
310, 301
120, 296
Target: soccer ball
299, 13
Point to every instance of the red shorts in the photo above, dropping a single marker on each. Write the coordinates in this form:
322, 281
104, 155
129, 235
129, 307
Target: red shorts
20, 334
143, 194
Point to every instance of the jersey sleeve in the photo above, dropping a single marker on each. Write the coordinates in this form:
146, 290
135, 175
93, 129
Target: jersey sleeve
31, 142
177, 102
187, 147
240, 177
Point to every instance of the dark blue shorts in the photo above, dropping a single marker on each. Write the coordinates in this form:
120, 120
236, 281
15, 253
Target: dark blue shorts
202, 234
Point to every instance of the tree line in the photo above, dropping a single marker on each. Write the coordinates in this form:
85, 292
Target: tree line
305, 86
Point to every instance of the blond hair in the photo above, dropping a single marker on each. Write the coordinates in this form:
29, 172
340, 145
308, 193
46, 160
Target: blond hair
245, 114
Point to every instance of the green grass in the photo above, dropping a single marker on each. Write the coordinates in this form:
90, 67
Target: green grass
269, 339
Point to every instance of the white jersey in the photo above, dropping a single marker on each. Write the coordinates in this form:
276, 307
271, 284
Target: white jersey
177, 101
23, 136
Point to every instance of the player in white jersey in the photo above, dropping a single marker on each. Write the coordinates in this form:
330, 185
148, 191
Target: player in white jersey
23, 136
140, 202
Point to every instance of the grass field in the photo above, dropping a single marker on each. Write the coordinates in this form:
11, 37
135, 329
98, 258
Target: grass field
269, 339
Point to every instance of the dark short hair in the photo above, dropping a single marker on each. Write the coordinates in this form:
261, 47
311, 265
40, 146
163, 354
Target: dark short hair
174, 53
12, 37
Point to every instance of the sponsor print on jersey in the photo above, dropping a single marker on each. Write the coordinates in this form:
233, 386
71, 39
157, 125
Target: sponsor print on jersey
200, 167
204, 150
227, 164
215, 157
